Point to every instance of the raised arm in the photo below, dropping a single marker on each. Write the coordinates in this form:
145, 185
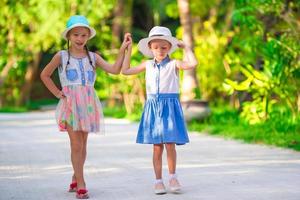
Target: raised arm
46, 76
126, 70
116, 67
190, 61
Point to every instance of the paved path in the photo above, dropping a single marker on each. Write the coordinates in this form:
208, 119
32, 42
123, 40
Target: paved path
35, 165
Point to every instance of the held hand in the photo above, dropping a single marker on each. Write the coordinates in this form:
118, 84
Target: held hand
129, 47
127, 41
127, 37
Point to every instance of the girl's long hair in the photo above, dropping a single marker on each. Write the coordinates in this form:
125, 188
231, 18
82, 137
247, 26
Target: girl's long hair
87, 52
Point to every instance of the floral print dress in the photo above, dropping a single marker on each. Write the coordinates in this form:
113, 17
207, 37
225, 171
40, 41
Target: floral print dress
81, 109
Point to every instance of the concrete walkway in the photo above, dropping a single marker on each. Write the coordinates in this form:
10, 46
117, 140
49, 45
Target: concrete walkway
35, 165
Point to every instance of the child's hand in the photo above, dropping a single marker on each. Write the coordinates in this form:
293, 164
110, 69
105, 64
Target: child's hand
60, 95
127, 42
181, 45
127, 37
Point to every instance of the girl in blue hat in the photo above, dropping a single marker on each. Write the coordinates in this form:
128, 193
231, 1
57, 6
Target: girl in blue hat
79, 109
162, 123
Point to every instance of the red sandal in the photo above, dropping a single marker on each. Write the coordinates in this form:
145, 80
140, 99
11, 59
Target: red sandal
82, 194
73, 187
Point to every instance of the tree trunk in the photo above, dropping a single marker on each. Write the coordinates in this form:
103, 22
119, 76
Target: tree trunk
122, 23
29, 78
11, 58
10, 61
127, 18
190, 82
156, 17
117, 24
298, 102
228, 20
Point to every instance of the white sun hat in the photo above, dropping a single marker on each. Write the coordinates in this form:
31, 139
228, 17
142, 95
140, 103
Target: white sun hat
157, 32
78, 21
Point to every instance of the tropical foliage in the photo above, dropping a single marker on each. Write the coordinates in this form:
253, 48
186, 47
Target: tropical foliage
266, 43
248, 52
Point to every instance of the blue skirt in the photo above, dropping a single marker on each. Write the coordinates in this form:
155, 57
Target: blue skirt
162, 121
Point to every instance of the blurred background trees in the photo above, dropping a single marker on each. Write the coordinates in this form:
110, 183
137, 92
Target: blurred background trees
248, 51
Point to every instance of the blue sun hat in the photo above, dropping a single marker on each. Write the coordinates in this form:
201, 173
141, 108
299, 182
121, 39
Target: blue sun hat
78, 21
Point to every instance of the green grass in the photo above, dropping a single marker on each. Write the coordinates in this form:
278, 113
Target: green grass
278, 131
120, 112
8, 109
37, 104
32, 105
116, 112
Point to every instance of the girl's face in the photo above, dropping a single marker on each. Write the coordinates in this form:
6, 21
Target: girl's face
159, 48
78, 37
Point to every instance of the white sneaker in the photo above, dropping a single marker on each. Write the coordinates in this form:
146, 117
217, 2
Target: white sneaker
159, 188
175, 187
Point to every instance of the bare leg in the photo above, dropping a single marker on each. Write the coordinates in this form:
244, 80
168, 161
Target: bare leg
76, 142
83, 153
157, 160
84, 140
73, 178
171, 156
159, 187
84, 147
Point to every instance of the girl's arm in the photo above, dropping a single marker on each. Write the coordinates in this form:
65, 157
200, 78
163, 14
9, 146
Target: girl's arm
46, 76
190, 62
126, 70
116, 67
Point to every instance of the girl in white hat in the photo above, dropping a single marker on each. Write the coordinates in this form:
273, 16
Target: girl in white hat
162, 123
79, 109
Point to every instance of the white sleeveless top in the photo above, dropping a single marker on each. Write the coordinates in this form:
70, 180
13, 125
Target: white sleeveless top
163, 79
79, 70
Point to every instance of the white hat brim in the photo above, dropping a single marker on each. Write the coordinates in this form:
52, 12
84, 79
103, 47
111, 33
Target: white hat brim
92, 30
144, 47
